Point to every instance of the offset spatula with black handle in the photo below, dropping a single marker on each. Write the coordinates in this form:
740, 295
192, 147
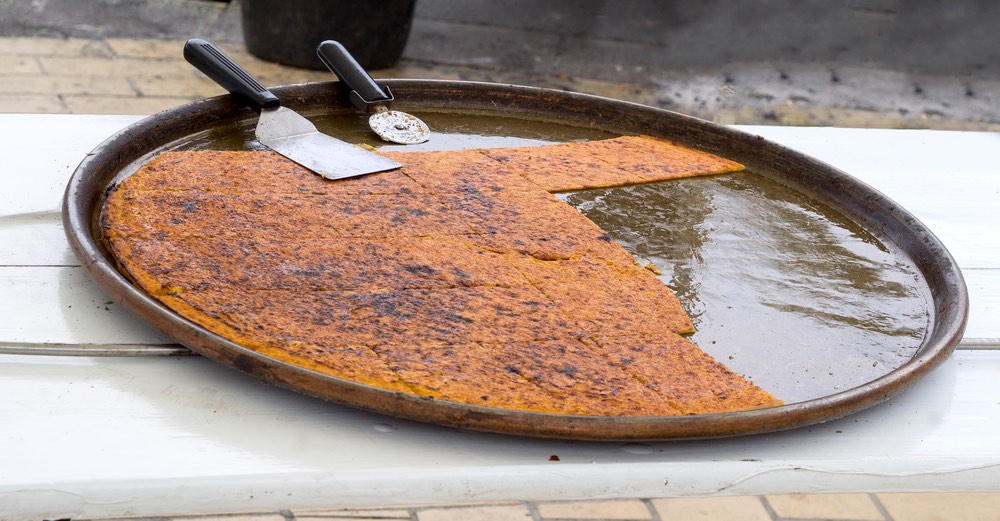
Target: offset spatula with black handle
280, 128
391, 125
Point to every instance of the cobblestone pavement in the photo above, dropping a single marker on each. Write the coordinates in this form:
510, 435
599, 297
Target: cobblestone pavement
64, 66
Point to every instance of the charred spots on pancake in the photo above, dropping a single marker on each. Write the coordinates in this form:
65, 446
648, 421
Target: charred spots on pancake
453, 317
387, 304
420, 269
568, 369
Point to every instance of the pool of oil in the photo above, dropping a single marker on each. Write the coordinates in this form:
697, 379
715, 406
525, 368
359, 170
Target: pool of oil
781, 287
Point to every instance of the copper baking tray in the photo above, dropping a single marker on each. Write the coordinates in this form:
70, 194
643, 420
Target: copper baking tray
478, 114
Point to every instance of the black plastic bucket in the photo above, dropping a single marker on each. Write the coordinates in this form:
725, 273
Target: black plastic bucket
288, 31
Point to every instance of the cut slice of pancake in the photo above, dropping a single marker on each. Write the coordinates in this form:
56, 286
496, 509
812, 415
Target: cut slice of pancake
458, 277
610, 162
564, 167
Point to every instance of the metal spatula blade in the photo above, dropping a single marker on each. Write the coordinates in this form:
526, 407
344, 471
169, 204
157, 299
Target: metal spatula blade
282, 129
295, 137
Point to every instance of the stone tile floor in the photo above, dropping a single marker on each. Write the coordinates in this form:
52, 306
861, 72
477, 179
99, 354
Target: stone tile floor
143, 76
802, 507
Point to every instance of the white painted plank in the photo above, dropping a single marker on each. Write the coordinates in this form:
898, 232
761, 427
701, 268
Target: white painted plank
151, 436
62, 305
40, 153
35, 239
984, 304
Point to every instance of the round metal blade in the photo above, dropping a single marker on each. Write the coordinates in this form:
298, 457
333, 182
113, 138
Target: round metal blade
399, 127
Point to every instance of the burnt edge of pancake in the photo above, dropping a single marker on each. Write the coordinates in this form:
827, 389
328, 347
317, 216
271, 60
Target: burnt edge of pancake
442, 279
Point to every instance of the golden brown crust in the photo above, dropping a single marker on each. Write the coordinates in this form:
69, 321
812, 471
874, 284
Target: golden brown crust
360, 264
273, 217
457, 277
580, 379
558, 168
659, 160
229, 172
686, 377
460, 171
601, 298
466, 373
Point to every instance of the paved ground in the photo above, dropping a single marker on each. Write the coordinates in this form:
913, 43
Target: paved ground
873, 63
818, 507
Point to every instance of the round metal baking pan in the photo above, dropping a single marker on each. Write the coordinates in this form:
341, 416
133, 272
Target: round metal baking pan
866, 207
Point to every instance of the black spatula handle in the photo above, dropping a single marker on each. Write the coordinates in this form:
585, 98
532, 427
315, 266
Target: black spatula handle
338, 60
208, 59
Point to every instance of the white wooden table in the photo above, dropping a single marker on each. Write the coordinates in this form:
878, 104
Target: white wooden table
105, 436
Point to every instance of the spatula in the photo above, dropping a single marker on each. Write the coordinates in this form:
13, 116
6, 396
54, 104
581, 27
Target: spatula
280, 128
391, 125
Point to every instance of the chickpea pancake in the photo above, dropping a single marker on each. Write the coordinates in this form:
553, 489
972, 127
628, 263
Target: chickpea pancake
458, 277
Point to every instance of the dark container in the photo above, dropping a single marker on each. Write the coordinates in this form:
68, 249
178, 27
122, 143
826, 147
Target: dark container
288, 31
